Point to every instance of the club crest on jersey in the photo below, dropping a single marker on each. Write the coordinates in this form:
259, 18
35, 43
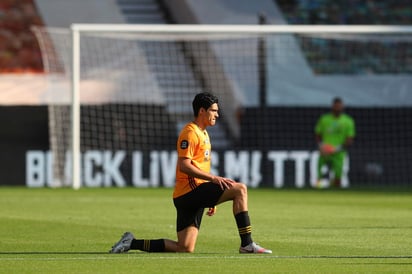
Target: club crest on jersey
184, 144
207, 154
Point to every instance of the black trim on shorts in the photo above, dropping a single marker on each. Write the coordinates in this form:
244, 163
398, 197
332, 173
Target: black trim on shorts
190, 206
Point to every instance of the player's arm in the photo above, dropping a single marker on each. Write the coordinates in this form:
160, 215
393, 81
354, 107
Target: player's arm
318, 139
351, 134
185, 166
348, 142
349, 137
318, 133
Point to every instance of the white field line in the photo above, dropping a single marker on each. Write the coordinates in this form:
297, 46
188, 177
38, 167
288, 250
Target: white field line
217, 256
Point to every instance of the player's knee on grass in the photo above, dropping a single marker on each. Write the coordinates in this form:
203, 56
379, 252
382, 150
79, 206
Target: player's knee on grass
185, 248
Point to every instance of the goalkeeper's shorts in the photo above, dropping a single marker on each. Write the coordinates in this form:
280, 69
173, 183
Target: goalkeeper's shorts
334, 162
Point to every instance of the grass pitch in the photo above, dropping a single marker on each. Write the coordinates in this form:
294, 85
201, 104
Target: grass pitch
309, 231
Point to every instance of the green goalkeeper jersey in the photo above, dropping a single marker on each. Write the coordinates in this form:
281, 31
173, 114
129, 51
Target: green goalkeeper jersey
335, 130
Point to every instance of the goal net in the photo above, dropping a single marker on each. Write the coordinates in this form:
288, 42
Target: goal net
119, 94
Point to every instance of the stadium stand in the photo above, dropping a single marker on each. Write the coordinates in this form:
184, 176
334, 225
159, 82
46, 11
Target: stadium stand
143, 11
354, 12
322, 54
19, 51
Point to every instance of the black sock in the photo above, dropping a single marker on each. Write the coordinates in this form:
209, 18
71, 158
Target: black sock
148, 245
244, 227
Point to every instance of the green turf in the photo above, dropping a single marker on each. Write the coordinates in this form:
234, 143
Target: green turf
310, 231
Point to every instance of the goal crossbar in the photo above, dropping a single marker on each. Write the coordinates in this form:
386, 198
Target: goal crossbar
240, 28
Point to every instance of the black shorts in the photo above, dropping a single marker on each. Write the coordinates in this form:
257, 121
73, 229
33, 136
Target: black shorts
190, 206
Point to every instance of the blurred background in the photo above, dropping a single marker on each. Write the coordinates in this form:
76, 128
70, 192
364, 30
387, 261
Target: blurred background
274, 90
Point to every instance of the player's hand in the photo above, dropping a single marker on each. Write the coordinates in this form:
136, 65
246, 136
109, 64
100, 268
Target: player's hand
211, 211
225, 183
327, 149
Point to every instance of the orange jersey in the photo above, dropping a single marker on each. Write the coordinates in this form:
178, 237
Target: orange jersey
194, 144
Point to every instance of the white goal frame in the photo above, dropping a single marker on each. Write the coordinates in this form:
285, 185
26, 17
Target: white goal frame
77, 29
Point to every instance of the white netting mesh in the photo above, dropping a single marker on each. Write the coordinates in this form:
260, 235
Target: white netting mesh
136, 91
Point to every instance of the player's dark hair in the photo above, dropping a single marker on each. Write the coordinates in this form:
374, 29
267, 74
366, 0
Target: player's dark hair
203, 100
337, 100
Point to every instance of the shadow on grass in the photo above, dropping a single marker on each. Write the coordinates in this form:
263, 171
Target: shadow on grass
52, 253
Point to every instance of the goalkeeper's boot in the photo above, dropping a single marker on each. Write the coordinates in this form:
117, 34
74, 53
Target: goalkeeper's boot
254, 248
123, 245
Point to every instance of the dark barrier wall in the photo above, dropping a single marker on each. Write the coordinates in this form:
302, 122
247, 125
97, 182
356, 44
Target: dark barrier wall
381, 154
22, 128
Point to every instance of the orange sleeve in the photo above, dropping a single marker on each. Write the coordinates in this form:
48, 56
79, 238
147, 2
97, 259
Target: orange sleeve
186, 144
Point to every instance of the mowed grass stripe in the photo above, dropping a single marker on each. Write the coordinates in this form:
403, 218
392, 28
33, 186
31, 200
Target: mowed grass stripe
311, 231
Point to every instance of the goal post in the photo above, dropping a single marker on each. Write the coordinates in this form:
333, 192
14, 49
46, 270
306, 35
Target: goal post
75, 125
144, 76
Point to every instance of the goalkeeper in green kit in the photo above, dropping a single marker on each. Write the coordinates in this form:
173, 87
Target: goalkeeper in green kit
334, 134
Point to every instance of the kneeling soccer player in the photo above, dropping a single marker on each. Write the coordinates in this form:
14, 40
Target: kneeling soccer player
196, 189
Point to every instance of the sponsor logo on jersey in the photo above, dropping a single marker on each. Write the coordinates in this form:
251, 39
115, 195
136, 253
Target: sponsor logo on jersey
184, 144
